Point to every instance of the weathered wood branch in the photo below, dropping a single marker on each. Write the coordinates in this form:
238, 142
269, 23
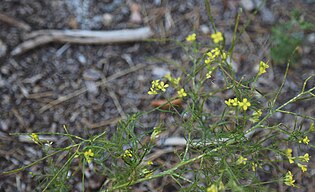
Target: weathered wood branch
12, 21
41, 37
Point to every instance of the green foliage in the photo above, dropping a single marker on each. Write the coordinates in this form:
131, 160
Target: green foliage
287, 37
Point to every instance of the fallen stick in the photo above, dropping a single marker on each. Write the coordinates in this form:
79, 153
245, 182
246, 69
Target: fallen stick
14, 22
42, 37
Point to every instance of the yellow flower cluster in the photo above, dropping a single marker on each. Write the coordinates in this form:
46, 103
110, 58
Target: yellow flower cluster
244, 104
89, 155
213, 54
157, 86
127, 154
289, 155
191, 37
217, 37
262, 67
305, 140
216, 187
35, 138
304, 158
181, 93
208, 75
288, 179
241, 160
175, 81
255, 116
303, 167
254, 166
232, 102
171, 79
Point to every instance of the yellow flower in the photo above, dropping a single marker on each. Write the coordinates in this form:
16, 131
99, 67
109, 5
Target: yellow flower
241, 160
303, 167
157, 86
305, 158
212, 188
155, 83
288, 152
223, 56
231, 102
254, 166
168, 76
191, 37
176, 81
228, 102
262, 67
35, 138
255, 116
128, 153
305, 140
234, 102
89, 155
162, 86
150, 162
216, 52
288, 179
152, 91
182, 93
217, 37
208, 61
208, 75
244, 104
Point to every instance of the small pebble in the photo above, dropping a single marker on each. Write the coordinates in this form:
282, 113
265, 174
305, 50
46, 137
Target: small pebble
107, 19
204, 29
311, 38
248, 5
267, 16
4, 125
82, 59
3, 48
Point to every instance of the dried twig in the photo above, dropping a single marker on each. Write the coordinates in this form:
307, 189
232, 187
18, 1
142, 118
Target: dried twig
42, 37
115, 99
14, 22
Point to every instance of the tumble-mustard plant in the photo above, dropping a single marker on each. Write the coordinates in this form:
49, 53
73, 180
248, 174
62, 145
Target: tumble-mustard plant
221, 150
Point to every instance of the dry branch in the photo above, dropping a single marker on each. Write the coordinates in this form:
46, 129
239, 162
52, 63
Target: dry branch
42, 37
14, 22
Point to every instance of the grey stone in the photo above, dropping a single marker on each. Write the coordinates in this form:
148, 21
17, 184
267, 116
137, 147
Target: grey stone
3, 48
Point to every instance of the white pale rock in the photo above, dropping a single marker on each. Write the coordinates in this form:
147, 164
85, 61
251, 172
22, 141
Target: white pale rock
248, 5
91, 87
107, 19
204, 29
311, 38
160, 71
